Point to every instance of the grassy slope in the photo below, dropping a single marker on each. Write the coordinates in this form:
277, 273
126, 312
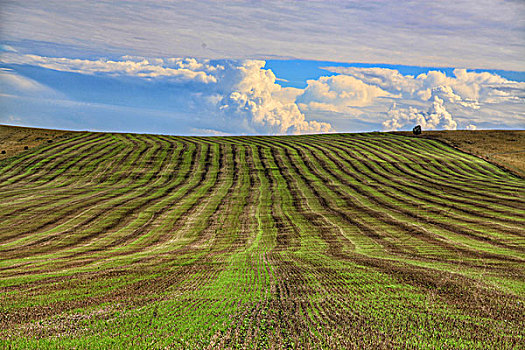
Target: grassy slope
347, 241
13, 139
505, 148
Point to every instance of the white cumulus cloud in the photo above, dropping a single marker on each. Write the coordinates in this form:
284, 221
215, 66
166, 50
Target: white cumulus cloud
436, 117
229, 96
338, 93
250, 96
466, 97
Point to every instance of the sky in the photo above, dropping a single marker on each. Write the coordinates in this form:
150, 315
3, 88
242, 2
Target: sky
262, 67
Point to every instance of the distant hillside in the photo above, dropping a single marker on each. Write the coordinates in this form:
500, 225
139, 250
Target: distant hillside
348, 241
14, 139
505, 148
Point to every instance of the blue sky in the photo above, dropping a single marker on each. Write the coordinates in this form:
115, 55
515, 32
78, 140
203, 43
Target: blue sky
295, 73
271, 67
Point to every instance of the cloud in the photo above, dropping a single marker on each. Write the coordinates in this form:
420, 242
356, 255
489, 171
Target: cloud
208, 132
387, 79
248, 94
482, 98
467, 33
178, 69
463, 86
7, 48
13, 83
437, 117
228, 96
242, 97
338, 93
12, 120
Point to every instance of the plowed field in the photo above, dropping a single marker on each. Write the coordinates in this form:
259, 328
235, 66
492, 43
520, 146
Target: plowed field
362, 241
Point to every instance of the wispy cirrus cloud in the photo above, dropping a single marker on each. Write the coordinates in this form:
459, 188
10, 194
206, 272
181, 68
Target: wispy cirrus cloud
13, 83
465, 33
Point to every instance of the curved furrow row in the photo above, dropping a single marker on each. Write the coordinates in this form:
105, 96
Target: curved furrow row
426, 167
197, 234
41, 200
406, 188
399, 153
403, 223
398, 203
406, 171
56, 218
72, 188
116, 207
466, 165
294, 283
424, 192
387, 266
47, 163
379, 178
31, 157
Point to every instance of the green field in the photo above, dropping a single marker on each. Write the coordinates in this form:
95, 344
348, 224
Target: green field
336, 241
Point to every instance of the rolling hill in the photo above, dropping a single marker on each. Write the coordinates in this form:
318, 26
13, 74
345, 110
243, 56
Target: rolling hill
376, 240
